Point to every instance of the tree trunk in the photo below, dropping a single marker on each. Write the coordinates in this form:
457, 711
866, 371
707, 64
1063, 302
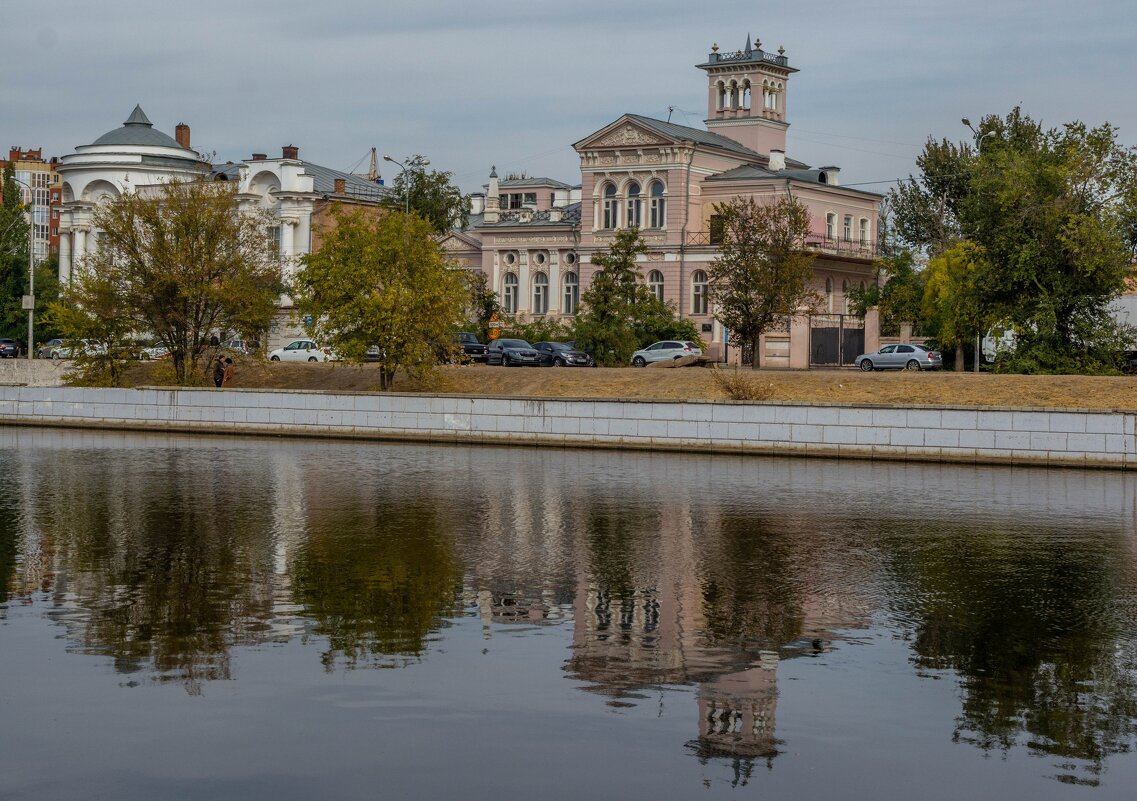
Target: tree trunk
960, 367
179, 367
755, 361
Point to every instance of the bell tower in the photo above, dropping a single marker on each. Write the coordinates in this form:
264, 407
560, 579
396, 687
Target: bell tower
746, 96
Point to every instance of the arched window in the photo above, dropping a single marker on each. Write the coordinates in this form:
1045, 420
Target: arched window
829, 295
658, 205
721, 93
830, 226
509, 294
698, 292
572, 293
611, 207
746, 95
845, 299
732, 95
635, 206
655, 284
540, 293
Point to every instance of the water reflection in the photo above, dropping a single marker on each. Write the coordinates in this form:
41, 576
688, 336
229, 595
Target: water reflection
166, 554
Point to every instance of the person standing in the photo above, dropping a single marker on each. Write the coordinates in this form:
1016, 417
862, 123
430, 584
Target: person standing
219, 371
227, 376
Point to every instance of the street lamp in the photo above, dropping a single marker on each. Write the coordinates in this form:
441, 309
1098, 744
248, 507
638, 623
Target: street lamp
29, 301
403, 168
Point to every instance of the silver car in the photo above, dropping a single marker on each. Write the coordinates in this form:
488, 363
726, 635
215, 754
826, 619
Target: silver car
900, 357
663, 351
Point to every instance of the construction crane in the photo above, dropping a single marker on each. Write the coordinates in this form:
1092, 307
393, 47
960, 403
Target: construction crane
373, 171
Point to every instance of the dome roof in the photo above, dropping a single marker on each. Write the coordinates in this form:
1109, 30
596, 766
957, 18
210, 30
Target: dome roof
137, 130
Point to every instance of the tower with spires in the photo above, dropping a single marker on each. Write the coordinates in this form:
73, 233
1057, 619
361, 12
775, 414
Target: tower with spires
746, 96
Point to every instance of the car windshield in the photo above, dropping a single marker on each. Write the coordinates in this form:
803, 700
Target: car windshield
468, 338
556, 346
515, 343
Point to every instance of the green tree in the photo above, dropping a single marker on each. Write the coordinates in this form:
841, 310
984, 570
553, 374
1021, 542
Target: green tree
483, 307
91, 309
180, 264
761, 279
13, 258
898, 292
953, 299
925, 210
619, 313
432, 196
382, 281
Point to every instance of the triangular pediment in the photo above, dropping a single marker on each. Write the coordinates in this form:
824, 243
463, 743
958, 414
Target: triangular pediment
456, 241
624, 133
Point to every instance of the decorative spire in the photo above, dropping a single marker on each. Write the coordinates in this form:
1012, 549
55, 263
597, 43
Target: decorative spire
748, 49
715, 47
493, 171
138, 117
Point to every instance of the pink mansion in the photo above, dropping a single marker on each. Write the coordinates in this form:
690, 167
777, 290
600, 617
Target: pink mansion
534, 237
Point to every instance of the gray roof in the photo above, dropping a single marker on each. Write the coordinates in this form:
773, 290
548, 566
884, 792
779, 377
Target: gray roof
751, 172
137, 130
323, 180
521, 182
673, 130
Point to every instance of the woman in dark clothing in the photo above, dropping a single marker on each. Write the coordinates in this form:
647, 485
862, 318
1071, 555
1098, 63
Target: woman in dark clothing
219, 371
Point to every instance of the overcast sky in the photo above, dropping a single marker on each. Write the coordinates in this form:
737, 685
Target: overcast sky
516, 82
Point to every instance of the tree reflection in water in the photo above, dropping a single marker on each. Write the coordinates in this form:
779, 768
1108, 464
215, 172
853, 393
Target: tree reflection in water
377, 579
1032, 625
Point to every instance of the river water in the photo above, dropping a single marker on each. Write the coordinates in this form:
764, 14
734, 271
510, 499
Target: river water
215, 617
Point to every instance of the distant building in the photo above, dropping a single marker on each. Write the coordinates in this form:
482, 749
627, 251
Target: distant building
537, 236
40, 189
298, 194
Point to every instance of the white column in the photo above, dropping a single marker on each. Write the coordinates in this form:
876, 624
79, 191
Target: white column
286, 245
80, 246
65, 257
556, 291
524, 302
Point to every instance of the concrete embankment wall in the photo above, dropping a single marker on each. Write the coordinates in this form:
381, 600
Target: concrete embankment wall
33, 372
989, 436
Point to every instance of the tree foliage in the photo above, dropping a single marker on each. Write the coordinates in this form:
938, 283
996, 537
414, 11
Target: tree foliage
897, 292
619, 313
91, 310
953, 299
14, 232
382, 281
179, 263
761, 279
483, 304
432, 196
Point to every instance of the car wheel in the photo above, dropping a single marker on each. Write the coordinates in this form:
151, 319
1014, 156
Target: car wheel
912, 365
313, 359
274, 358
55, 357
558, 363
504, 360
639, 361
866, 366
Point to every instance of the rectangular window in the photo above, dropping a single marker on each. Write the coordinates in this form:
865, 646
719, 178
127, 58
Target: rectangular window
274, 242
864, 231
718, 229
529, 199
848, 227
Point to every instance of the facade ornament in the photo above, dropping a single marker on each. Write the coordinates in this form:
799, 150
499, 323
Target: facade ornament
628, 135
715, 47
781, 50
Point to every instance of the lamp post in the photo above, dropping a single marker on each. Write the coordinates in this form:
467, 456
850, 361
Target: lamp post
979, 138
29, 300
403, 168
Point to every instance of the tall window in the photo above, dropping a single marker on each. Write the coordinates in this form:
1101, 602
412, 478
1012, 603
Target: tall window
509, 294
830, 226
572, 293
655, 284
635, 206
864, 231
611, 207
274, 242
658, 205
699, 292
540, 293
848, 227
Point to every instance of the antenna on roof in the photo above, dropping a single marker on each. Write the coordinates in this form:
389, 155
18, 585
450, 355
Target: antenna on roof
669, 110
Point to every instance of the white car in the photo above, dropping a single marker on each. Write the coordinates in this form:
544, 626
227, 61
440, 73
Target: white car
301, 350
664, 351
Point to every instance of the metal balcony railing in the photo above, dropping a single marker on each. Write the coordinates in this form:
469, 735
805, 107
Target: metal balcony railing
816, 242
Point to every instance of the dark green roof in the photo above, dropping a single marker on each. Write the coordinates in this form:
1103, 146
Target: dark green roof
137, 130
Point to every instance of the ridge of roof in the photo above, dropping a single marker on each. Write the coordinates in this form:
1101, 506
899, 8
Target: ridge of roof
676, 131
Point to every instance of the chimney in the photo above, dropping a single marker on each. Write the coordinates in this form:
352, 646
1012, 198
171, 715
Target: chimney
181, 133
555, 214
259, 157
493, 198
830, 175
477, 203
290, 152
341, 186
777, 161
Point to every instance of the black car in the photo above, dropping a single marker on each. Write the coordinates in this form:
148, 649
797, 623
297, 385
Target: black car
9, 349
562, 354
515, 353
473, 349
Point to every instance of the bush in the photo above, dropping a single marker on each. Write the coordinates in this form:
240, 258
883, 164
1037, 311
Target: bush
737, 385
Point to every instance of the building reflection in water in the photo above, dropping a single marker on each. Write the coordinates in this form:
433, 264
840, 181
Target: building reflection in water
163, 554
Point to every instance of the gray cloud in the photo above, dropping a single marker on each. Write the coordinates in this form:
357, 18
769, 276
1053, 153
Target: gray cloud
515, 82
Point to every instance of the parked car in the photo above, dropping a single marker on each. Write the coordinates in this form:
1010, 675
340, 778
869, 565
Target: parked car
373, 354
69, 350
242, 346
44, 350
302, 350
561, 354
155, 351
513, 352
900, 357
662, 351
9, 349
472, 348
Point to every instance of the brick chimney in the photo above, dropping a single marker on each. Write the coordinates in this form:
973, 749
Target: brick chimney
341, 186
181, 133
290, 152
259, 156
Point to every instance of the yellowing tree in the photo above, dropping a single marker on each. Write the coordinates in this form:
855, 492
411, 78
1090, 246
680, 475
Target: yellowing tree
383, 282
954, 297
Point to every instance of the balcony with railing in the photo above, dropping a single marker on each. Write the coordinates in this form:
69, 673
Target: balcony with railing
818, 243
